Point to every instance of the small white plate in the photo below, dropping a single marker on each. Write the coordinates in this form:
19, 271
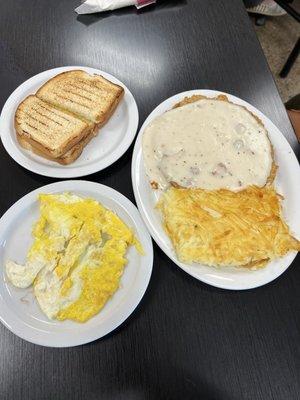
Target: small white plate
19, 311
287, 183
107, 147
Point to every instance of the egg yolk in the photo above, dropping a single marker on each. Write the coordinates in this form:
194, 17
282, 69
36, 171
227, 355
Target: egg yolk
88, 243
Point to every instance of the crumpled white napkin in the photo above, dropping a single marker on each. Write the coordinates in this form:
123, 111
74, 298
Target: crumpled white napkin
93, 6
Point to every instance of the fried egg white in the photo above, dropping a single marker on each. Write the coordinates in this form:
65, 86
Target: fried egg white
77, 258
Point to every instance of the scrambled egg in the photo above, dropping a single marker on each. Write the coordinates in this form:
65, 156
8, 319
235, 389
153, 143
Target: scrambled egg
222, 228
77, 258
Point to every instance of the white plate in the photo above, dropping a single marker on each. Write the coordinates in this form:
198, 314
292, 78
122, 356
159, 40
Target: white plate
287, 183
19, 310
111, 143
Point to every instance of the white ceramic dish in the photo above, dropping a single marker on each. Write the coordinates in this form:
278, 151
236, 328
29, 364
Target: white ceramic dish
287, 183
19, 311
111, 143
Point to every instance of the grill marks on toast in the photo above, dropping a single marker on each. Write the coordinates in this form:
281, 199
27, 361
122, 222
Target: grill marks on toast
86, 86
85, 98
46, 107
62, 117
32, 118
99, 83
44, 116
92, 98
55, 119
47, 126
78, 94
68, 99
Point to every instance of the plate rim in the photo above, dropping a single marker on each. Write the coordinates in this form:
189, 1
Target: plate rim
47, 340
138, 198
54, 171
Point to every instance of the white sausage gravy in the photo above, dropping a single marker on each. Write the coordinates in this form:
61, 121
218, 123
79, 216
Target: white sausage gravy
209, 144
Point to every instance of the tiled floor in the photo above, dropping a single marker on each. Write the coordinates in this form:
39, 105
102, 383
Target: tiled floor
277, 38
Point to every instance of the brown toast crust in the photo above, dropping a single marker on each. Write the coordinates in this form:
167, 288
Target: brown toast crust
119, 95
44, 149
67, 158
112, 109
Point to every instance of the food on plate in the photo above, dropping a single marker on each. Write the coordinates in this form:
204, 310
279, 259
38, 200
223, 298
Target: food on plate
226, 228
77, 258
207, 143
91, 97
48, 130
65, 114
215, 165
67, 158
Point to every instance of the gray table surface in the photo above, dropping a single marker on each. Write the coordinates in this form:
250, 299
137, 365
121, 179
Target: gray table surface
186, 340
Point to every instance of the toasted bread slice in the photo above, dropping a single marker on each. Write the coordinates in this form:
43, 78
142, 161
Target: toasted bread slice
90, 97
51, 131
67, 158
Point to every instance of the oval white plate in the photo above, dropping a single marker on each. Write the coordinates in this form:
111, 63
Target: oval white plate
287, 183
19, 311
107, 147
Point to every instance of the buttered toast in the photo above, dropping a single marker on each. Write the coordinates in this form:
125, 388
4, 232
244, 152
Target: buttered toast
91, 97
47, 129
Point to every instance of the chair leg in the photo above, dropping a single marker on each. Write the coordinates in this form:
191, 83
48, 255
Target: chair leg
260, 20
291, 60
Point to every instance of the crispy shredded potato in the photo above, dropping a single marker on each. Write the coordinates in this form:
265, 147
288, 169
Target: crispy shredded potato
224, 228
